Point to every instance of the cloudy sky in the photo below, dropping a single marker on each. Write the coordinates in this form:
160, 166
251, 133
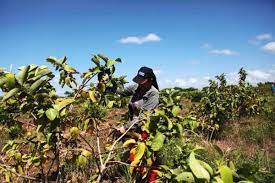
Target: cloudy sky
186, 42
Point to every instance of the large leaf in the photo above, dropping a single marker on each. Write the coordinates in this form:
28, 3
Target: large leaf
22, 75
103, 57
61, 103
36, 85
226, 174
51, 113
95, 60
10, 94
170, 123
10, 80
69, 69
198, 170
92, 95
186, 177
39, 73
110, 63
140, 149
128, 142
81, 161
207, 167
52, 60
158, 141
175, 110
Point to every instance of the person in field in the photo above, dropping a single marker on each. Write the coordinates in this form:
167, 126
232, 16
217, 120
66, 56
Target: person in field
144, 94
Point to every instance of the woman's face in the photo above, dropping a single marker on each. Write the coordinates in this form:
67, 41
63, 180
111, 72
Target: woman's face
146, 84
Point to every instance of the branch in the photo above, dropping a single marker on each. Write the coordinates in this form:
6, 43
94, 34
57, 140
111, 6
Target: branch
120, 162
98, 145
17, 174
112, 148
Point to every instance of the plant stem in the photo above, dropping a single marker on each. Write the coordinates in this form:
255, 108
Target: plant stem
111, 150
17, 174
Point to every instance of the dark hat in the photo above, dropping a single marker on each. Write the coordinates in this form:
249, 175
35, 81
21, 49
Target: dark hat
143, 73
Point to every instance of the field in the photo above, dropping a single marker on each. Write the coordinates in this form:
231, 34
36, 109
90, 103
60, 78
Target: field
222, 133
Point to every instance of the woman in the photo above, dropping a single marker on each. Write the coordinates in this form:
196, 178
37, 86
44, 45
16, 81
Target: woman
145, 94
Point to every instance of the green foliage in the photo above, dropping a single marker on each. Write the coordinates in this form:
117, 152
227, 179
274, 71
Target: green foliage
226, 102
31, 92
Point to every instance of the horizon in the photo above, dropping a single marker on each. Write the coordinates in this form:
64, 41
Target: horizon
185, 42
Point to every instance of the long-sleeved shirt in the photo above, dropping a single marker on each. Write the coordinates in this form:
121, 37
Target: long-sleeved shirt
140, 100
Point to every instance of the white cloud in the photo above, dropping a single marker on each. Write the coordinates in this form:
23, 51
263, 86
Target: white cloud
151, 37
195, 62
206, 45
226, 52
157, 71
192, 80
180, 82
255, 76
206, 78
269, 47
260, 38
264, 37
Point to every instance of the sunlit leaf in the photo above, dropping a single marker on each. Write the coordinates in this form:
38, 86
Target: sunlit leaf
226, 174
51, 113
128, 142
198, 170
186, 177
10, 94
158, 141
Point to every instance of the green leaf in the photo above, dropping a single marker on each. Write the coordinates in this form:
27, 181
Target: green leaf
62, 60
128, 142
175, 110
170, 124
22, 75
95, 60
140, 150
197, 168
86, 153
92, 95
118, 60
52, 60
103, 57
74, 132
110, 63
186, 177
51, 113
10, 80
36, 85
61, 103
217, 180
81, 161
207, 167
10, 94
110, 104
48, 137
158, 141
69, 69
226, 174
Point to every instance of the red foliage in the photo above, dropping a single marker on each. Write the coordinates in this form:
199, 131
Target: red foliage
152, 176
144, 135
132, 156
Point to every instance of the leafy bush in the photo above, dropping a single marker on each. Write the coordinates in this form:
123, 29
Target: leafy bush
226, 102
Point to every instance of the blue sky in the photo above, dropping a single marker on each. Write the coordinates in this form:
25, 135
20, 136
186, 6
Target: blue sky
186, 42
